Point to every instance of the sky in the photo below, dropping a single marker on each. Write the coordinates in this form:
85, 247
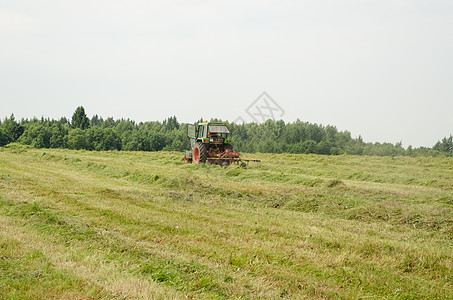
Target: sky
380, 69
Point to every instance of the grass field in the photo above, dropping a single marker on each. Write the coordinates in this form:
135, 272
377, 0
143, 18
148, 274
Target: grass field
104, 225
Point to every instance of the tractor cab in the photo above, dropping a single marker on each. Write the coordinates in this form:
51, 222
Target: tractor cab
218, 134
208, 133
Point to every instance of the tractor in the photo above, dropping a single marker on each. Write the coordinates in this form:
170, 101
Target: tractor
211, 142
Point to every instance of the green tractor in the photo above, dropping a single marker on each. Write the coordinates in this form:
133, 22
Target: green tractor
211, 143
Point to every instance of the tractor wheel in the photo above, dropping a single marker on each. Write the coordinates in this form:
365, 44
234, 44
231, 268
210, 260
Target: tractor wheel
199, 153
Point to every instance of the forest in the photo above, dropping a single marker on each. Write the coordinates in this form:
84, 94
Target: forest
97, 133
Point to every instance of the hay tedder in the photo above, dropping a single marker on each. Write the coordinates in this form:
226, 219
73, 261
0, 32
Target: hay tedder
211, 143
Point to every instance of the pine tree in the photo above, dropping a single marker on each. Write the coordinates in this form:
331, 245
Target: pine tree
80, 119
12, 129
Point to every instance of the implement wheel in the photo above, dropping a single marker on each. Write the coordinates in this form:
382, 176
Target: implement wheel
199, 153
188, 157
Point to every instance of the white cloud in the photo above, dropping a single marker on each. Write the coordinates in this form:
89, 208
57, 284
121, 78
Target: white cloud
11, 22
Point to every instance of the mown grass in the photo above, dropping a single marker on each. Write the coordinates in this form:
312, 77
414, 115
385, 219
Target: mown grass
101, 225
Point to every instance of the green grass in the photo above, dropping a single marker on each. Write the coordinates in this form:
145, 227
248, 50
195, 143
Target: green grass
103, 225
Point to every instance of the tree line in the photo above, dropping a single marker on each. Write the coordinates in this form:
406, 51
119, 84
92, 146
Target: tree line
271, 136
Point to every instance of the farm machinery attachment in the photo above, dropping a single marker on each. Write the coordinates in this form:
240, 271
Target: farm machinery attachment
211, 142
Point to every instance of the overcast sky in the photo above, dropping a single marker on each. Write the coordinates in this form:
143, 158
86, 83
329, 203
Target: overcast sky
382, 69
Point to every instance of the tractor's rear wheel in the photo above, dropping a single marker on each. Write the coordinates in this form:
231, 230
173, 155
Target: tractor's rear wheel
199, 153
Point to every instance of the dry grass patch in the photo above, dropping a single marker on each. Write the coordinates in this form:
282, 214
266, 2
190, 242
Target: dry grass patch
145, 225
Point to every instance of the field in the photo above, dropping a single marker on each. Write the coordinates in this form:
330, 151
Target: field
105, 225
